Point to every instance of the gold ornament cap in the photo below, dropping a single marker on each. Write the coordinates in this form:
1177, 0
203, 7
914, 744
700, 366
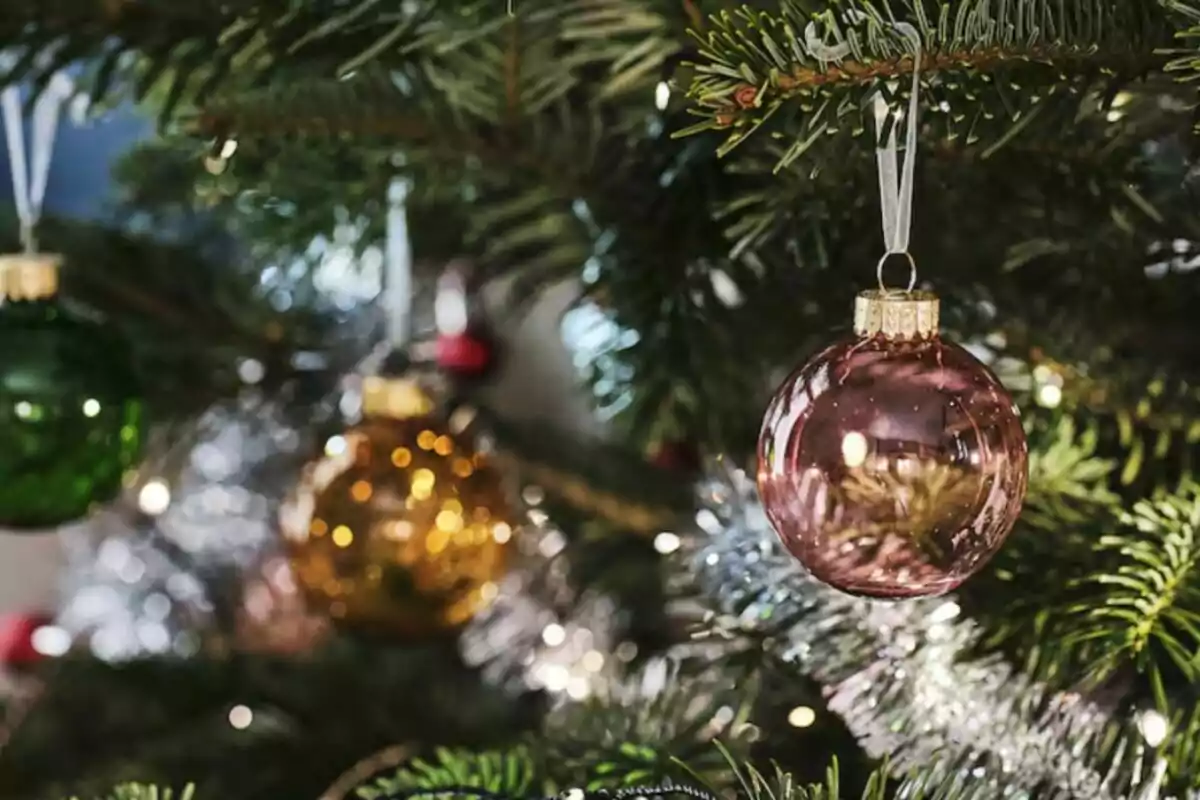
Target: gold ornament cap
896, 314
29, 276
398, 398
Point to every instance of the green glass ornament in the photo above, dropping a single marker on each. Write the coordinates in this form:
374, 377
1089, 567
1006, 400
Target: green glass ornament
71, 417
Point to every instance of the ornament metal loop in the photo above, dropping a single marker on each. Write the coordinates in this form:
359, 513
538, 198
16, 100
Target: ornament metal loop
912, 270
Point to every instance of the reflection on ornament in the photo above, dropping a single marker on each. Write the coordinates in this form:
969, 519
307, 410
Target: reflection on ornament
893, 464
71, 421
400, 526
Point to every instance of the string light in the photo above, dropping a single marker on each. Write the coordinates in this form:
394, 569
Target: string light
666, 542
154, 498
240, 717
554, 634
802, 717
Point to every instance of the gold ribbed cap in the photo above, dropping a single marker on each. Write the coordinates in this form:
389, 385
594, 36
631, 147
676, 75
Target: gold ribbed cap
398, 398
29, 276
896, 314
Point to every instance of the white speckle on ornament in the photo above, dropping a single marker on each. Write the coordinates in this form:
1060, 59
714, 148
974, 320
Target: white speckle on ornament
854, 449
554, 634
91, 407
666, 542
240, 717
662, 95
1049, 396
1153, 727
802, 717
154, 498
51, 640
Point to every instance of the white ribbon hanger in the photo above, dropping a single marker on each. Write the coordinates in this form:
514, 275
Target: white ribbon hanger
895, 181
30, 176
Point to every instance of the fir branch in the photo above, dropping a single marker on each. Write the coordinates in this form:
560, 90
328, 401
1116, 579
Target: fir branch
822, 68
141, 791
1152, 599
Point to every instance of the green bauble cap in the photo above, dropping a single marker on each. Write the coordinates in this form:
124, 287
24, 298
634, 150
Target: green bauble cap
71, 413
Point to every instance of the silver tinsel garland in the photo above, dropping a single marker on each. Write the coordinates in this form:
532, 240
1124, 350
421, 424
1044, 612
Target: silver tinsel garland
902, 676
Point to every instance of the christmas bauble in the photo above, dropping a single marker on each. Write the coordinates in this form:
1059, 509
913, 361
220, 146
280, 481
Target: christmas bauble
18, 647
400, 526
894, 463
466, 354
71, 420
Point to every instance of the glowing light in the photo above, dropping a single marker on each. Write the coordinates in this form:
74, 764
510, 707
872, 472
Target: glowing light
554, 635
51, 640
229, 148
343, 536
666, 542
449, 521
662, 95
1153, 727
453, 505
489, 592
462, 468
251, 371
400, 531
577, 688
593, 661
319, 527
854, 449
443, 446
24, 409
154, 498
91, 408
426, 440
422, 483
554, 677
502, 532
437, 541
1049, 396
336, 446
361, 491
802, 717
240, 717
401, 457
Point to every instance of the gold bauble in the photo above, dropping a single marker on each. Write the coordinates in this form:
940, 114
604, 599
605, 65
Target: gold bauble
400, 527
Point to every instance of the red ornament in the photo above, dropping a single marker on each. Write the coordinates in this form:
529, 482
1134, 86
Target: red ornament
893, 464
463, 353
16, 638
676, 456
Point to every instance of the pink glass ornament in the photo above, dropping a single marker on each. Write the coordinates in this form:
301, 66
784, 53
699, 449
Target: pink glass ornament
893, 466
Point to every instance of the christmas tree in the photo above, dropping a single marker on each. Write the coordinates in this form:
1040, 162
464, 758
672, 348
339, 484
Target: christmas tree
343, 569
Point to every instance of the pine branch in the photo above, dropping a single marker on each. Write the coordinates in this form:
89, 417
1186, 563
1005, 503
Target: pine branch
821, 68
1152, 599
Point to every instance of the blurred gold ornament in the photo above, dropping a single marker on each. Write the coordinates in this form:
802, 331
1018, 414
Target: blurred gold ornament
400, 526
